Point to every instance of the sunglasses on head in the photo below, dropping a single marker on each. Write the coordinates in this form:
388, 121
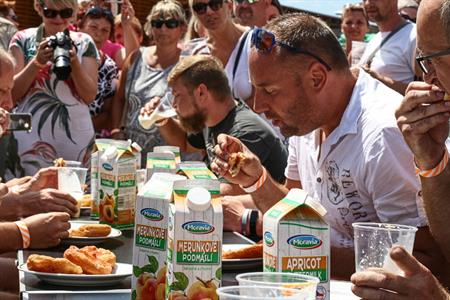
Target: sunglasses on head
170, 23
265, 41
50, 13
249, 1
97, 12
200, 8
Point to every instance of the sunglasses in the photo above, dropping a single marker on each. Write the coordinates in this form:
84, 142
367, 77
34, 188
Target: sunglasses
265, 41
200, 8
170, 23
50, 13
248, 1
97, 12
426, 63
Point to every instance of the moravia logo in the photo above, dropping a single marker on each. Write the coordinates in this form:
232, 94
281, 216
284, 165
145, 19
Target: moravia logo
198, 227
107, 167
152, 214
268, 239
304, 241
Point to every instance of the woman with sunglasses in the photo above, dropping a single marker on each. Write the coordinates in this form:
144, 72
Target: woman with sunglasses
62, 125
99, 24
144, 75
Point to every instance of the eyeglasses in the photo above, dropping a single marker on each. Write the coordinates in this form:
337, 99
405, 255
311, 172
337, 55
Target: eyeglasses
98, 12
426, 63
407, 17
170, 23
50, 13
248, 1
200, 8
265, 41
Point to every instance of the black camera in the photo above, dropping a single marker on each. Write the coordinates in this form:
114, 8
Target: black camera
62, 44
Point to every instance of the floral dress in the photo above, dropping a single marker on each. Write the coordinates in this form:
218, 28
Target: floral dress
61, 123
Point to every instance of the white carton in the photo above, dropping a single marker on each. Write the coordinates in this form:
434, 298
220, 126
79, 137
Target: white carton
150, 242
195, 240
297, 239
169, 149
161, 162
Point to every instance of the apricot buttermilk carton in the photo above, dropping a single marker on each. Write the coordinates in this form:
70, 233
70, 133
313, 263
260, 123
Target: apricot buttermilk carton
117, 186
195, 170
194, 257
160, 162
150, 242
297, 239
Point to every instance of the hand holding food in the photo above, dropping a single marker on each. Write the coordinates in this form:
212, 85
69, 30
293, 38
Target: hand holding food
235, 162
47, 264
59, 162
47, 230
91, 259
91, 230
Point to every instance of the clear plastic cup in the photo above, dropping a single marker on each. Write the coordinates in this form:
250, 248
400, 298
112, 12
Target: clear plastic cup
306, 283
71, 180
374, 241
73, 163
164, 110
257, 292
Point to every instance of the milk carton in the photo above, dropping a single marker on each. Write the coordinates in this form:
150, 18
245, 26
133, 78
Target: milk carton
169, 149
150, 242
117, 191
297, 239
195, 170
99, 146
194, 259
161, 162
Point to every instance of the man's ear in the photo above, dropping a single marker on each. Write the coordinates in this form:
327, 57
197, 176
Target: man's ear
202, 93
318, 75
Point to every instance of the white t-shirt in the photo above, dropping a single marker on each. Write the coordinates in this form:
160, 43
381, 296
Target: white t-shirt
365, 172
396, 58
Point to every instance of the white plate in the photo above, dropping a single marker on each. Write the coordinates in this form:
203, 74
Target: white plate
239, 263
120, 272
83, 241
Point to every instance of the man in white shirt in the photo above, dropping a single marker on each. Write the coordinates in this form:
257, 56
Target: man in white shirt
346, 149
393, 62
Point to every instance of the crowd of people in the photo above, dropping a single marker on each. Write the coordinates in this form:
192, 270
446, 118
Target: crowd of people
365, 133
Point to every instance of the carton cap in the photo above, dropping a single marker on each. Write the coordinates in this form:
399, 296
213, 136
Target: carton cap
136, 147
110, 153
198, 198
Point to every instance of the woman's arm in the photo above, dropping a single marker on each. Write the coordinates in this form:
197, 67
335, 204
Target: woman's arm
84, 76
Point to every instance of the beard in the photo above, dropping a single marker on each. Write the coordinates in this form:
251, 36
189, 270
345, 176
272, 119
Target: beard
193, 123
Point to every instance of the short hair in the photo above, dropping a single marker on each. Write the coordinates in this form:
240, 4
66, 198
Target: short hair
445, 17
309, 33
202, 69
165, 9
69, 3
5, 6
5, 59
354, 7
134, 22
95, 13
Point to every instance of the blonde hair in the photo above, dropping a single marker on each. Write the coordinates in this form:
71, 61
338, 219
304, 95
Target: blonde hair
202, 69
134, 22
73, 4
6, 59
354, 7
165, 9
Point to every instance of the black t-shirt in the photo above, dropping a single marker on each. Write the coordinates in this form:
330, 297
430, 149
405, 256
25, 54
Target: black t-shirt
254, 132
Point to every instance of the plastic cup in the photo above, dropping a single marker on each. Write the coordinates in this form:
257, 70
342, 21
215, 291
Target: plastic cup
71, 180
164, 110
257, 292
307, 284
374, 241
73, 164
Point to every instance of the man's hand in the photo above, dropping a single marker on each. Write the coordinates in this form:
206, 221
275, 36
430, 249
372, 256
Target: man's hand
423, 120
232, 213
48, 200
44, 178
418, 282
126, 12
4, 121
47, 230
250, 170
150, 106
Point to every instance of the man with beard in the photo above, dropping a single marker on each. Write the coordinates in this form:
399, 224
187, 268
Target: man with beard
251, 12
389, 56
345, 148
205, 109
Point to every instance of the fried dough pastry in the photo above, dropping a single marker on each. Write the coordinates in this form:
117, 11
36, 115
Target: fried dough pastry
91, 230
47, 264
86, 201
235, 161
59, 162
91, 259
253, 251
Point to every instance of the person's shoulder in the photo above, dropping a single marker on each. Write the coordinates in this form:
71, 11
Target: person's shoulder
4, 21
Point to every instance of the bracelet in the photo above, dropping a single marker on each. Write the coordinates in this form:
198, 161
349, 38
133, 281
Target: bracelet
254, 187
115, 130
244, 221
436, 170
161, 123
26, 240
254, 214
38, 64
